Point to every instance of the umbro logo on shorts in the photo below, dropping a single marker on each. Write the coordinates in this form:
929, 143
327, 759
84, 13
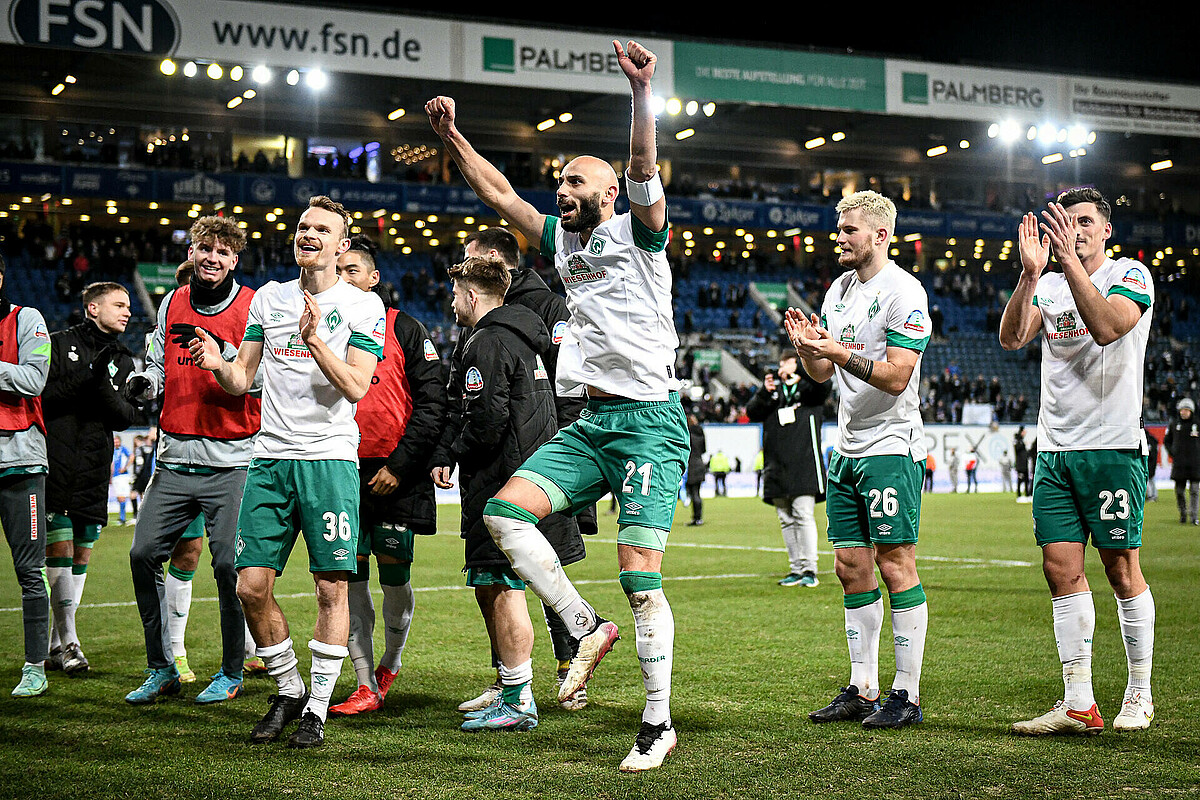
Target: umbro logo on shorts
884, 528
1117, 533
341, 553
633, 507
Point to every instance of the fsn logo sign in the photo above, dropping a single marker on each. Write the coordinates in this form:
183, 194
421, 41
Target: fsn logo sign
120, 26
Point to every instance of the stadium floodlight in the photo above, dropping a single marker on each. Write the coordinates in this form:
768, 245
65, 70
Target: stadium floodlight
234, 103
546, 124
1009, 131
58, 89
249, 94
934, 152
838, 136
692, 108
261, 75
1047, 133
657, 105
235, 73
709, 109
69, 79
214, 71
686, 133
189, 69
566, 116
964, 144
1158, 166
1076, 136
993, 130
316, 79
674, 106
396, 114
813, 144
293, 77
1053, 158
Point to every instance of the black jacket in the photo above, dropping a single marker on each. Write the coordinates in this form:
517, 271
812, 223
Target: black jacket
507, 412
697, 468
793, 464
529, 290
83, 407
1183, 443
412, 503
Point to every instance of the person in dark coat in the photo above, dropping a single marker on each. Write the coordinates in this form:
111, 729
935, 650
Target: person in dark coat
696, 469
1021, 459
789, 407
526, 288
507, 412
83, 406
1183, 443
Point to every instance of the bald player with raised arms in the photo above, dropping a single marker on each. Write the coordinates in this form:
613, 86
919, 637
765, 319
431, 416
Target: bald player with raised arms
632, 437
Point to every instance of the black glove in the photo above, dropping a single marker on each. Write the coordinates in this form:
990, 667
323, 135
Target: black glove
185, 332
134, 388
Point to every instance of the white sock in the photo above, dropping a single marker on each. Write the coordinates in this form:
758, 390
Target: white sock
179, 606
1074, 624
78, 579
908, 632
863, 626
62, 603
1137, 630
398, 605
282, 665
362, 629
521, 675
655, 627
535, 561
326, 667
251, 647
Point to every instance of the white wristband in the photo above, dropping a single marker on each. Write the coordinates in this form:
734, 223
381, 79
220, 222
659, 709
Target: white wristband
644, 194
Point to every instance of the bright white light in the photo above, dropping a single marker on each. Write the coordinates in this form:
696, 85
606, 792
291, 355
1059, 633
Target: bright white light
964, 144
1009, 131
686, 133
293, 77
261, 75
657, 105
1047, 134
396, 114
709, 109
189, 69
235, 73
316, 80
674, 106
167, 67
1077, 136
691, 108
215, 72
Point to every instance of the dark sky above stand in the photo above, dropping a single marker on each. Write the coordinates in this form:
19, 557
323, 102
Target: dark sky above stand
1148, 41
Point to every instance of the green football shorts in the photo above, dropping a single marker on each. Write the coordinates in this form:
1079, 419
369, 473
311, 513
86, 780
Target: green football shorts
873, 500
1096, 493
195, 530
286, 496
495, 576
386, 539
635, 449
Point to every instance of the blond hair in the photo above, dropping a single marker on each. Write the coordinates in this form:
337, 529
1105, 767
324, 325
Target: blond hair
218, 229
878, 210
329, 204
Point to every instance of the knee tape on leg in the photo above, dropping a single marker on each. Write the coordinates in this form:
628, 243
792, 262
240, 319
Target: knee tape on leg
909, 598
861, 599
633, 581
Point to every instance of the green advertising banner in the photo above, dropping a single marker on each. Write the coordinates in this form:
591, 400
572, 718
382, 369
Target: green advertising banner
775, 293
705, 357
159, 278
779, 77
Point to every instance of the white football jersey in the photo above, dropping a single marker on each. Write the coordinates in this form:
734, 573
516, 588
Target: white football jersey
622, 336
1092, 395
891, 309
304, 416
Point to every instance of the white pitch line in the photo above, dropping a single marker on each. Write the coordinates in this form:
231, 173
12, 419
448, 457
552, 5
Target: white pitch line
989, 562
946, 561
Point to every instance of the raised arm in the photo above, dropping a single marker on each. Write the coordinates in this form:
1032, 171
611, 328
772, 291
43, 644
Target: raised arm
1107, 318
650, 207
1021, 320
488, 183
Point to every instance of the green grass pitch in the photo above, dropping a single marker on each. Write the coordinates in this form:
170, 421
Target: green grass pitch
751, 659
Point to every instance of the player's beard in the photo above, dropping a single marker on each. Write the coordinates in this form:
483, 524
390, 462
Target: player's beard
587, 215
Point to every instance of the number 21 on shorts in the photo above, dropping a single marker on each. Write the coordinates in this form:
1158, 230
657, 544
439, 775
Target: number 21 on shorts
631, 468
